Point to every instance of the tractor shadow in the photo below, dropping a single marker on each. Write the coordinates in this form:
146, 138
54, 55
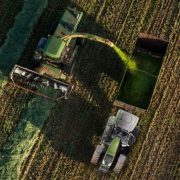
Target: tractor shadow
74, 127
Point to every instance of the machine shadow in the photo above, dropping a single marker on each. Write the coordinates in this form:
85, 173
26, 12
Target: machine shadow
74, 125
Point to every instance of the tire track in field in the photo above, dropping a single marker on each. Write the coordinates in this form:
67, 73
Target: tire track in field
125, 20
152, 12
138, 15
26, 165
155, 17
117, 14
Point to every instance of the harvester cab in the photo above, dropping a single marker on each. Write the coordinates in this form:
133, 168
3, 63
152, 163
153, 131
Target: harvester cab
120, 134
53, 59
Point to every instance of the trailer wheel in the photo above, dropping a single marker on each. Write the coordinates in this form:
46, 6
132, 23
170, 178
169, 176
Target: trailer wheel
120, 163
97, 153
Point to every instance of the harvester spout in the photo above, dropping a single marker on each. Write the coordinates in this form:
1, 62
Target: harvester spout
122, 55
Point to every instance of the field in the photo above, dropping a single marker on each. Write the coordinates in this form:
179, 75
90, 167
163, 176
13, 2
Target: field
44, 140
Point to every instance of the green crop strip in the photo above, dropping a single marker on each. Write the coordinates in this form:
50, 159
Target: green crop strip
18, 36
20, 143
16, 149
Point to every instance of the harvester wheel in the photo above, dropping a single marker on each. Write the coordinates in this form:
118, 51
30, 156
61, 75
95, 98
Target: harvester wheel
97, 153
120, 163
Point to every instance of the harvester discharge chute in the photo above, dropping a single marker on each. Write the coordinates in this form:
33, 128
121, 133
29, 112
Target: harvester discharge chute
53, 59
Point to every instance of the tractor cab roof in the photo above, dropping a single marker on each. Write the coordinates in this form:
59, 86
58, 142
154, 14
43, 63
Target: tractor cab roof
126, 121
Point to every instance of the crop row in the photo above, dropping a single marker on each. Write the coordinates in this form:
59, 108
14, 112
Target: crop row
160, 18
12, 104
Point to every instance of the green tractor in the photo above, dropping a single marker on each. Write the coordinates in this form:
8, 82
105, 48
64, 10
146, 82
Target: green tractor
53, 59
120, 134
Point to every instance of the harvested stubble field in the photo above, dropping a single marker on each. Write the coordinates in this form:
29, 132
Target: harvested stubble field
64, 146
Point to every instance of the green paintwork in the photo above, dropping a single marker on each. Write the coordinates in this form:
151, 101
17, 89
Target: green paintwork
55, 45
113, 147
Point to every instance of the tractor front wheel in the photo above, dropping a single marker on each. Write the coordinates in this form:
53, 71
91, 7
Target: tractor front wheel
97, 153
120, 163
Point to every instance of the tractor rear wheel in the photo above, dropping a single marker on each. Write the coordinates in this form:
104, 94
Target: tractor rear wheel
120, 163
97, 153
